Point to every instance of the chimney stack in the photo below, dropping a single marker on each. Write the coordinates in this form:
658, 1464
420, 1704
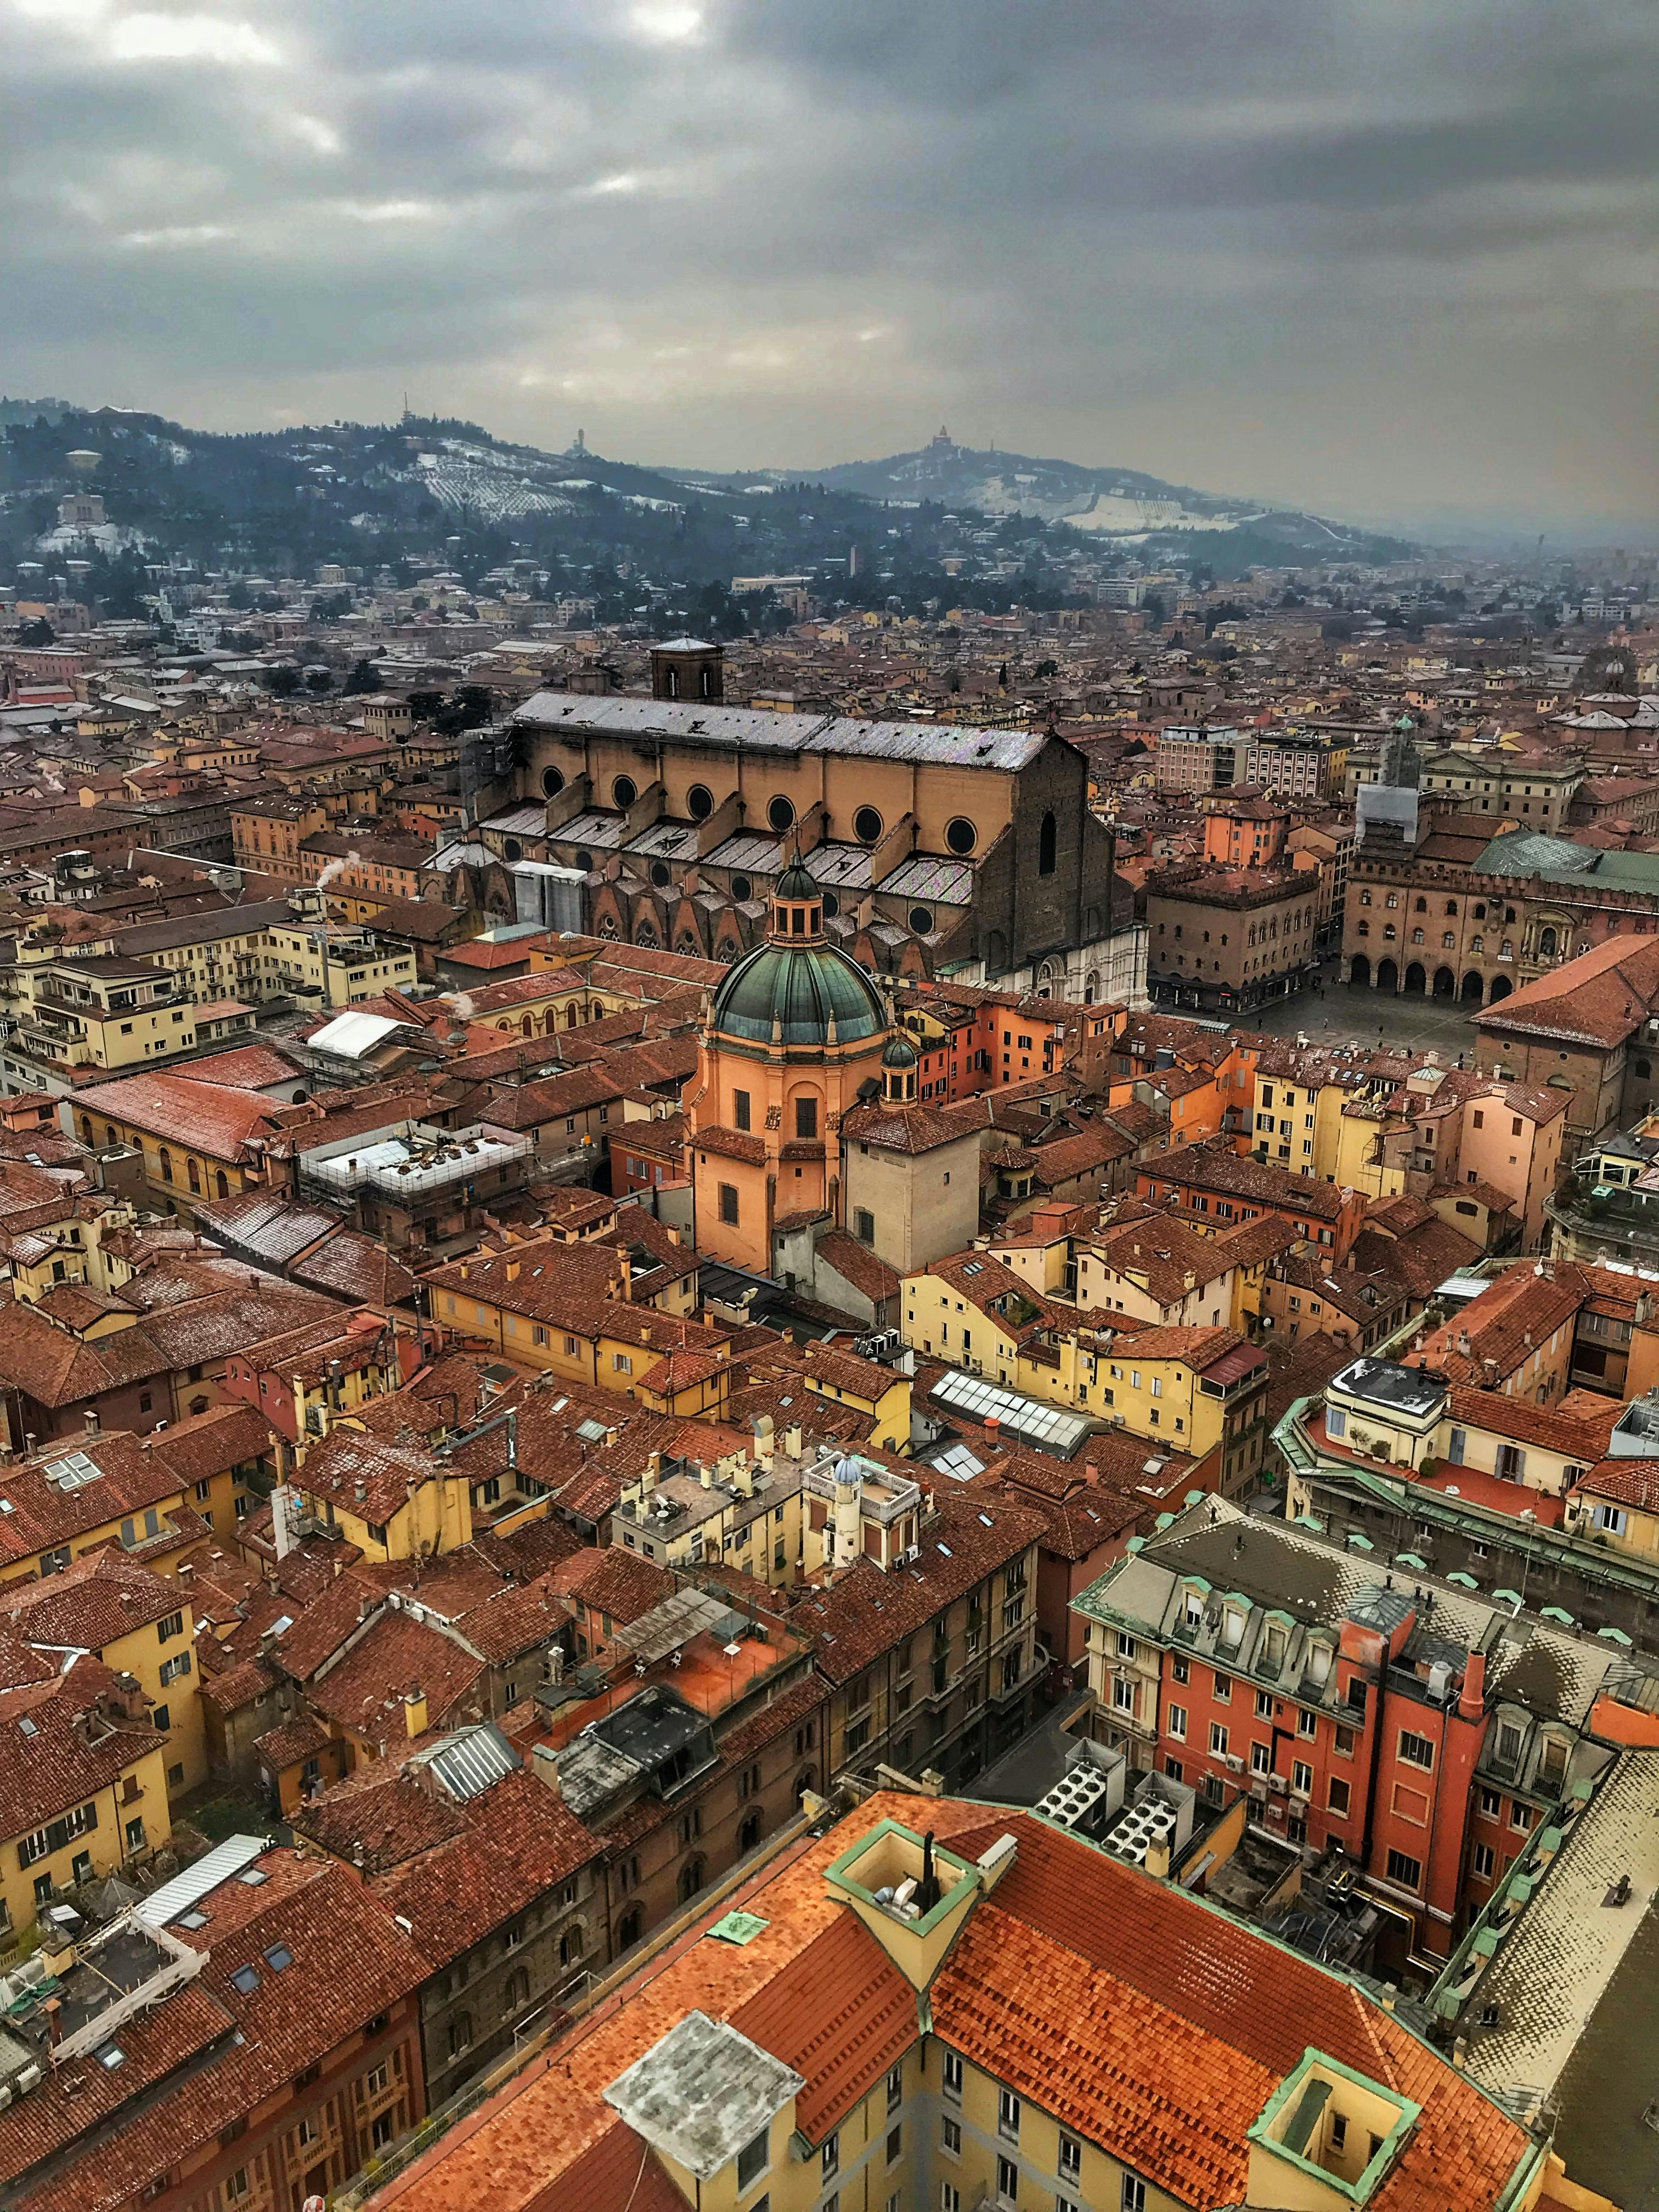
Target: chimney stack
1472, 1697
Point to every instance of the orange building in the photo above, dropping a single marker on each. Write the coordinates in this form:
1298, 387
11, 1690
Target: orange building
794, 1038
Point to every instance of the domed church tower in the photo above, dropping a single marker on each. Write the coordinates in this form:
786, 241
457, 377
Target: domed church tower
794, 1036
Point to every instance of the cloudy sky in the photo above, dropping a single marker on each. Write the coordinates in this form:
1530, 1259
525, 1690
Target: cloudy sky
1386, 257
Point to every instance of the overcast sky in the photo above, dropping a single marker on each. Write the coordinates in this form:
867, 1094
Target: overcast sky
1381, 258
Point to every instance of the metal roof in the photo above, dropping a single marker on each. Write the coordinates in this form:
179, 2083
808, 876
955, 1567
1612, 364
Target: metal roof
470, 1761
947, 883
955, 744
221, 1862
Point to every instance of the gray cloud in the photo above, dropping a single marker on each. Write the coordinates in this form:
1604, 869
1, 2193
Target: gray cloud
1375, 256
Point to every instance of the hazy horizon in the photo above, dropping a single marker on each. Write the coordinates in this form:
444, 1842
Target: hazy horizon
1388, 263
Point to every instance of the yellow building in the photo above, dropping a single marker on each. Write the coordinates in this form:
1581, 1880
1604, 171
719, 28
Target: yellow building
106, 1012
948, 2085
394, 1501
591, 1312
83, 1786
81, 1496
139, 1623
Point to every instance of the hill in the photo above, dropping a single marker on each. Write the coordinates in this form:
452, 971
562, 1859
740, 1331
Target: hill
371, 496
1121, 506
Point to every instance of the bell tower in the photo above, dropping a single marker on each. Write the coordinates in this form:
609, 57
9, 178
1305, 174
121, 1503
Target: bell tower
689, 669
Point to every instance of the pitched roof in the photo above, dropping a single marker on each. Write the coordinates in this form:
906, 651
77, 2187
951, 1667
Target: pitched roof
1151, 2022
201, 1117
49, 1762
1598, 999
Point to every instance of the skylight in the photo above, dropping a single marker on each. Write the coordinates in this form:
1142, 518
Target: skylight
278, 1958
246, 1979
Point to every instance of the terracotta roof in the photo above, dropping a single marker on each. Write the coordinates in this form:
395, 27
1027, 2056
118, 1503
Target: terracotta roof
1216, 1168
55, 1765
91, 1603
204, 1444
1598, 999
364, 1689
855, 1263
1628, 1481
43, 1515
201, 1117
730, 1145
1152, 2023
348, 1962
1578, 1427
609, 1581
865, 1611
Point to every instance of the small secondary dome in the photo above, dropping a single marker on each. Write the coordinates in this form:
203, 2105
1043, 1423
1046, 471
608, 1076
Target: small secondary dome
900, 1052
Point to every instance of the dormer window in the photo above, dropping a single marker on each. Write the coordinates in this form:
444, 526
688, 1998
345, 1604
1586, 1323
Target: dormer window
1232, 1627
1194, 1609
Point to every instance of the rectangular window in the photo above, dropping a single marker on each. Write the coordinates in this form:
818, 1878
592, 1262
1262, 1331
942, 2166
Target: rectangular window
1223, 1689
1264, 1704
1484, 1860
1261, 1759
1416, 1750
1134, 2193
1341, 1798
740, 1112
753, 2158
807, 1117
1218, 1740
1404, 1870
896, 2088
728, 1198
1071, 2158
949, 2137
1008, 2115
895, 2145
1007, 2182
1177, 1723
831, 2155
1180, 1671
953, 2075
1302, 1777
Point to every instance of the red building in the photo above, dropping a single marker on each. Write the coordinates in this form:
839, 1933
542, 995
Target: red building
1364, 1710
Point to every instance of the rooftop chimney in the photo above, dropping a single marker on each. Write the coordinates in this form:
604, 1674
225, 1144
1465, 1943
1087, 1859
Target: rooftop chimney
1472, 1697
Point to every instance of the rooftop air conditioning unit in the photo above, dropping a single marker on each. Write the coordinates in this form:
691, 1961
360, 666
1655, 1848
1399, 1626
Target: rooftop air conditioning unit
1233, 1763
1279, 1782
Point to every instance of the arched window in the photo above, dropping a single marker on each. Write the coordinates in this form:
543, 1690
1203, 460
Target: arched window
631, 1928
1422, 906
1447, 940
672, 682
166, 1159
461, 2034
195, 1176
221, 1183
750, 1834
690, 1880
1045, 840
1546, 945
570, 1946
85, 1127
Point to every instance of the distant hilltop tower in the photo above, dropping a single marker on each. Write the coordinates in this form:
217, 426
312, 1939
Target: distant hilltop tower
578, 444
84, 461
944, 442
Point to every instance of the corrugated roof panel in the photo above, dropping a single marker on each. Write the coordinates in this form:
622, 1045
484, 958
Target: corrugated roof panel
225, 1859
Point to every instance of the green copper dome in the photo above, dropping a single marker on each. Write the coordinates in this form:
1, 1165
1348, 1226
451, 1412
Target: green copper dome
801, 985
